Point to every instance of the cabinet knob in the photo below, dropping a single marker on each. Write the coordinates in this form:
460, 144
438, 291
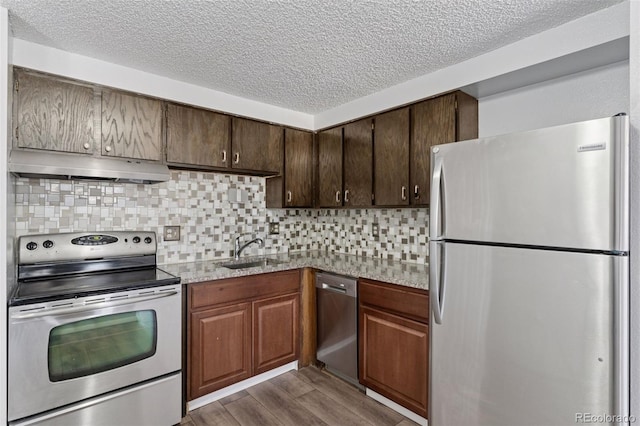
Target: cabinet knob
289, 196
346, 196
107, 148
404, 193
337, 197
86, 145
416, 192
224, 155
236, 159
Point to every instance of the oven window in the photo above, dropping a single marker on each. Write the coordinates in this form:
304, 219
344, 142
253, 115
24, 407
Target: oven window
99, 344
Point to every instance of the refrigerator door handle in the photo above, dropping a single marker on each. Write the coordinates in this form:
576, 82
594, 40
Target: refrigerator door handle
436, 278
436, 203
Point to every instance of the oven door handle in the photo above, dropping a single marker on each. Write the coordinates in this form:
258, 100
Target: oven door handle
90, 306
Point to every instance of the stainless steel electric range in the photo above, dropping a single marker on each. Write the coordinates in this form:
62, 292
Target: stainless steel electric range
94, 332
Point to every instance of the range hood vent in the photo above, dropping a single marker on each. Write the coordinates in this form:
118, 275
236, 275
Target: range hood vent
67, 166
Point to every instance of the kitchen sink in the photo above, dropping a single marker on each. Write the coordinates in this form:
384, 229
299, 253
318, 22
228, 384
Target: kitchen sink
237, 264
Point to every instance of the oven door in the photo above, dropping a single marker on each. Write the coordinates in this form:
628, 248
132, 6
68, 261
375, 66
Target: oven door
69, 350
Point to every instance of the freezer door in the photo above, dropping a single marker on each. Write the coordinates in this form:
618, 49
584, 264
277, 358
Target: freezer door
528, 337
564, 186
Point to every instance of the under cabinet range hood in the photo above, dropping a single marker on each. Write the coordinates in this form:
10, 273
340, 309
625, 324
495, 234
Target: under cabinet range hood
67, 166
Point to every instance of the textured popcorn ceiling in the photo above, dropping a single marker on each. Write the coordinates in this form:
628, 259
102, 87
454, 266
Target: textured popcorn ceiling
305, 55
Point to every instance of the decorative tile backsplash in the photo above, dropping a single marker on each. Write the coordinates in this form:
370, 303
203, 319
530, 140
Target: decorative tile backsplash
211, 210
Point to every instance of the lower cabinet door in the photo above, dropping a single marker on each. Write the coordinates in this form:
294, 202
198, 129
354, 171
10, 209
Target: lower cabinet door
394, 358
275, 332
220, 348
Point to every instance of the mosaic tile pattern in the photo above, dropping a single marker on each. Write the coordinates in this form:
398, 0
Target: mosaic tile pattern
211, 209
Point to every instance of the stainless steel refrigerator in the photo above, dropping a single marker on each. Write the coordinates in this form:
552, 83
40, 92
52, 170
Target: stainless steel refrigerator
529, 277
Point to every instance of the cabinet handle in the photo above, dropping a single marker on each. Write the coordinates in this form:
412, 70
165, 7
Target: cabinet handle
86, 145
404, 193
224, 155
346, 196
416, 192
107, 148
337, 197
236, 158
289, 196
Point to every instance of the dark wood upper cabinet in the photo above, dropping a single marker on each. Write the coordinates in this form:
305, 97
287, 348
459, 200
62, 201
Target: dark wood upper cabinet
391, 158
198, 137
330, 168
131, 126
256, 146
54, 115
440, 120
298, 175
358, 163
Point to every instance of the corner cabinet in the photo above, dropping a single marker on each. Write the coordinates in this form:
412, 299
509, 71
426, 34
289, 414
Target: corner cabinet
240, 327
393, 342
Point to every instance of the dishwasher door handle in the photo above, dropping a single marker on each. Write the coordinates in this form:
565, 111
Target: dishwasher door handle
330, 287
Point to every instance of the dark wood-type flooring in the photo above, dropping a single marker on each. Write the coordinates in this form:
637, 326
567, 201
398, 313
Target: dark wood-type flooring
297, 398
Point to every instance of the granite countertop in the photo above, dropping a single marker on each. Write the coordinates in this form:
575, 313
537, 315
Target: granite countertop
406, 274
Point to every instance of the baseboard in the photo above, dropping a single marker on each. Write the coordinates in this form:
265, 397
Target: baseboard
397, 407
237, 387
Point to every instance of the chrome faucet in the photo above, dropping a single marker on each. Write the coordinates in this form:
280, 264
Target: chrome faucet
238, 248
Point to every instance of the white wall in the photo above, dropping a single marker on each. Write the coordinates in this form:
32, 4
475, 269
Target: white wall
596, 93
6, 262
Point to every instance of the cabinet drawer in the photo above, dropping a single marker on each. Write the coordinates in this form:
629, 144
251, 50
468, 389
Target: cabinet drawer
407, 301
243, 288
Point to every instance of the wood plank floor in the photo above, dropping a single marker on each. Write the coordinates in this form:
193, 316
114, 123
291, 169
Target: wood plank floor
297, 398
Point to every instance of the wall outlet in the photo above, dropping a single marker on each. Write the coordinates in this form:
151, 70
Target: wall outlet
172, 233
375, 230
274, 228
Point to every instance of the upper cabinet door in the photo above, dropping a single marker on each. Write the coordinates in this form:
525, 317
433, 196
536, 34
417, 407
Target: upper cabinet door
433, 122
358, 163
436, 121
131, 126
54, 115
391, 158
256, 146
298, 168
197, 136
330, 168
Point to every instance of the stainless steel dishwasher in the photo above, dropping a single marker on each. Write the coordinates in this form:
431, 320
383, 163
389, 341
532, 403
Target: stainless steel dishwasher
337, 325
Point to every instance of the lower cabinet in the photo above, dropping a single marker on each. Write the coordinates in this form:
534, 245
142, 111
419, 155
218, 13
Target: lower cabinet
240, 327
221, 348
393, 339
275, 332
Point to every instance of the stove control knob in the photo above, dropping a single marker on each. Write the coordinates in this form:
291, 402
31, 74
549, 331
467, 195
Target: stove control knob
136, 240
32, 246
47, 244
148, 240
